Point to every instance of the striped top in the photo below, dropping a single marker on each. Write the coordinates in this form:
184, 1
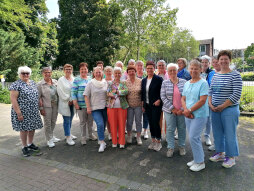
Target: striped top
77, 90
226, 86
167, 92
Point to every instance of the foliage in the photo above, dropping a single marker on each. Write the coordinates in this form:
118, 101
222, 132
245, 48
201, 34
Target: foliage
148, 25
4, 95
238, 62
88, 31
247, 76
56, 74
249, 55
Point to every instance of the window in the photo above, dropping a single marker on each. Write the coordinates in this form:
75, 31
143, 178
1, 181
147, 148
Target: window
202, 48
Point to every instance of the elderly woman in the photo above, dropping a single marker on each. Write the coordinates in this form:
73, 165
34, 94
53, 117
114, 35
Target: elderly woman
152, 104
120, 65
117, 108
48, 105
108, 70
77, 90
161, 70
95, 98
135, 105
182, 71
171, 92
65, 105
25, 116
195, 105
224, 95
142, 74
132, 63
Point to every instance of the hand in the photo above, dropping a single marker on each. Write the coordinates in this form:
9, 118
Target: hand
43, 112
20, 117
219, 108
179, 112
187, 113
111, 95
157, 103
70, 103
143, 109
174, 111
89, 110
77, 107
212, 108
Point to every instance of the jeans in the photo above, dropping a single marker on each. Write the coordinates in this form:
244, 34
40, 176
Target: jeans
224, 130
208, 124
195, 127
134, 112
173, 122
67, 121
100, 118
145, 120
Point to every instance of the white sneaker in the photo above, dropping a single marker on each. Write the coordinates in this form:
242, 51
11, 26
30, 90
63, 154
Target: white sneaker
139, 141
102, 147
69, 141
55, 140
157, 147
208, 141
73, 137
92, 137
114, 145
151, 146
129, 139
109, 137
189, 164
176, 136
145, 134
121, 147
50, 143
197, 167
170, 153
211, 148
83, 140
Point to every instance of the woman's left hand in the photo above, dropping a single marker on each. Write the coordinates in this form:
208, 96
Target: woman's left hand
187, 113
219, 108
157, 103
70, 102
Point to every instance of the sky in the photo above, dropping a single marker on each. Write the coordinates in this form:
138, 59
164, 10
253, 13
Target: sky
229, 22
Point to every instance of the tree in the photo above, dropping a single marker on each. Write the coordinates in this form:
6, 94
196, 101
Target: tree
249, 55
148, 25
88, 31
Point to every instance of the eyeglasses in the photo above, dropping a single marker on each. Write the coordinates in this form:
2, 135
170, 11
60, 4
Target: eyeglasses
25, 73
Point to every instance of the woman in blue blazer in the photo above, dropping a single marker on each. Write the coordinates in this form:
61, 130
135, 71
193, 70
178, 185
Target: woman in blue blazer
152, 104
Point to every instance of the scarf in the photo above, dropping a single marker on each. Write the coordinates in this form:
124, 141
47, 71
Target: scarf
99, 84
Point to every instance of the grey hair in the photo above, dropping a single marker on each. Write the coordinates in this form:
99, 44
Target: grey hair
119, 62
184, 61
195, 62
108, 68
161, 61
131, 60
117, 69
45, 69
139, 61
205, 57
172, 65
24, 69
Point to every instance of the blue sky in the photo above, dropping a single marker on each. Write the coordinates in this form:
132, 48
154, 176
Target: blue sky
230, 22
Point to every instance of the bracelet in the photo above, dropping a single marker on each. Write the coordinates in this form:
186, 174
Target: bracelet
190, 110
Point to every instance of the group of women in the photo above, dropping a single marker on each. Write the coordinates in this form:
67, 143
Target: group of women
191, 99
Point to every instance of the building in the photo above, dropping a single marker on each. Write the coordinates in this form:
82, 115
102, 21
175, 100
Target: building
206, 47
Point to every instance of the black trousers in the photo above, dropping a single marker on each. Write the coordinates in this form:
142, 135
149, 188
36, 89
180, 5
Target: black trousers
154, 114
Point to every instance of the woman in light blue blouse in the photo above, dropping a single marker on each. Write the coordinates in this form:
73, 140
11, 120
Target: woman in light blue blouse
224, 95
195, 105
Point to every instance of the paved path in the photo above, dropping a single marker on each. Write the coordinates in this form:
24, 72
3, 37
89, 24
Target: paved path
135, 167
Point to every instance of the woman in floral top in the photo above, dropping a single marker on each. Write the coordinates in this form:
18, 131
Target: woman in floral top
117, 108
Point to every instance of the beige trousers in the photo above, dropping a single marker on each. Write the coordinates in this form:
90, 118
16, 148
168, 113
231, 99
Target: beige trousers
86, 121
50, 120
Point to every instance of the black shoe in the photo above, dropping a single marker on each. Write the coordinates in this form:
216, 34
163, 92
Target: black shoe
25, 152
33, 147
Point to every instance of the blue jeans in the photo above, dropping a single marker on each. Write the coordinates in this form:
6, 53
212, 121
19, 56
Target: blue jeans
100, 118
173, 122
67, 121
224, 130
208, 124
145, 120
195, 127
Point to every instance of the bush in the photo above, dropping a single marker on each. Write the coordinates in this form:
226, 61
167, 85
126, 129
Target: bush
56, 74
4, 95
248, 76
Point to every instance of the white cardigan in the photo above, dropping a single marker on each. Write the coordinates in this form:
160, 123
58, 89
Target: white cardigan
64, 93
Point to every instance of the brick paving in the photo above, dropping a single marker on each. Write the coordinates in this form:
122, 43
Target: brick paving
17, 174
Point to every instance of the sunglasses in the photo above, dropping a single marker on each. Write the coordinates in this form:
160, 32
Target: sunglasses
25, 73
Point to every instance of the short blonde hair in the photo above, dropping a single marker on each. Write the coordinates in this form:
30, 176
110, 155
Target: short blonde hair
68, 66
195, 62
24, 69
172, 65
108, 68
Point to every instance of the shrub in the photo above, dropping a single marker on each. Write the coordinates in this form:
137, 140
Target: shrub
4, 95
56, 74
248, 76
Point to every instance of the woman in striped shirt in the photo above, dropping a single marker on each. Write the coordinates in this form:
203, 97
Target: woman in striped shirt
225, 92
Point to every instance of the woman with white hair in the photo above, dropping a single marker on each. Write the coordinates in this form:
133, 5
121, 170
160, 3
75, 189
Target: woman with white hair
117, 108
25, 116
171, 93
120, 65
95, 98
